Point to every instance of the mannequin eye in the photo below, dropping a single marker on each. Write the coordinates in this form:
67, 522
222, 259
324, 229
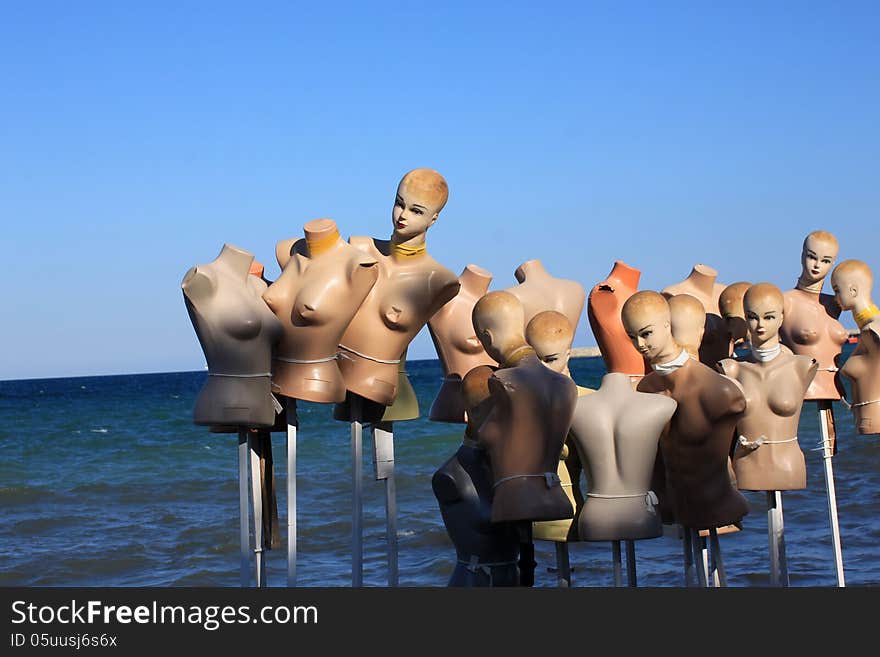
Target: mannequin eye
417, 211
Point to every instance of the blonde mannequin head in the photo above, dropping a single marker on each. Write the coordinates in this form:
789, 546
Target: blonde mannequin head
648, 324
763, 304
498, 319
421, 195
550, 334
818, 254
688, 321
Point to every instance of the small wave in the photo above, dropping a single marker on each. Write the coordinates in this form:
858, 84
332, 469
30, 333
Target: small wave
405, 532
99, 430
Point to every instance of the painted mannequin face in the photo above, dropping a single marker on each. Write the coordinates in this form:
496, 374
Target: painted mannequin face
764, 316
648, 333
817, 258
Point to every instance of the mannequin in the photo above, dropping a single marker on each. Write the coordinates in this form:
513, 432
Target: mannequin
538, 291
617, 432
237, 332
323, 282
550, 334
458, 349
525, 430
603, 310
767, 456
411, 287
810, 327
701, 283
486, 551
688, 321
852, 282
730, 303
696, 443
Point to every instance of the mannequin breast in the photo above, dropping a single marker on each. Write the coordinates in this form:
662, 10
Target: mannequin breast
809, 330
862, 370
774, 396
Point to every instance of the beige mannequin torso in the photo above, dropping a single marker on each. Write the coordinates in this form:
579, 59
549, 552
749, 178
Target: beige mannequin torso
237, 332
774, 393
862, 370
458, 348
603, 311
697, 443
524, 434
315, 297
702, 284
616, 431
539, 291
810, 328
406, 295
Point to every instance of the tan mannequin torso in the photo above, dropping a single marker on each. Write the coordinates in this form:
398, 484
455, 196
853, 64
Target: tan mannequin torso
862, 370
603, 311
539, 291
458, 348
237, 332
323, 282
617, 431
701, 283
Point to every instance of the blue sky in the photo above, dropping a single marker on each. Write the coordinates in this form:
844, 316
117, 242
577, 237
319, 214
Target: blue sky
137, 138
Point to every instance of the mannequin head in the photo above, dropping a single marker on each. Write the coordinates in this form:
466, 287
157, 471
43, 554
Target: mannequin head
550, 334
731, 305
476, 395
498, 319
688, 320
421, 195
817, 257
648, 324
763, 304
851, 281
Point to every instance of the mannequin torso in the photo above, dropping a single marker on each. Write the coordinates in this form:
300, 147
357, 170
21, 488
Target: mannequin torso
603, 311
539, 291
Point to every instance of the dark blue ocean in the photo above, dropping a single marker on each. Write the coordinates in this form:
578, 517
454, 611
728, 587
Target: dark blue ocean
105, 481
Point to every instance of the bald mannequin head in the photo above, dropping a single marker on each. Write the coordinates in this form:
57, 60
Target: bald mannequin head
763, 304
688, 321
550, 334
648, 324
852, 281
498, 319
731, 305
475, 392
818, 255
421, 195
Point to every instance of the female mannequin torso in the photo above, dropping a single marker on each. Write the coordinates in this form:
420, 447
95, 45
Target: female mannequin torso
702, 284
862, 370
616, 431
458, 348
323, 282
539, 291
603, 311
237, 332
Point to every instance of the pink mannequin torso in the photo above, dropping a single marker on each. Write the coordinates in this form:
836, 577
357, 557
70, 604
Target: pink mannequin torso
539, 291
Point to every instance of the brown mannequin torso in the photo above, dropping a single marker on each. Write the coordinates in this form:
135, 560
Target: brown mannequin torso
603, 311
406, 295
524, 434
810, 328
774, 393
616, 431
862, 370
697, 443
237, 332
323, 282
458, 348
539, 291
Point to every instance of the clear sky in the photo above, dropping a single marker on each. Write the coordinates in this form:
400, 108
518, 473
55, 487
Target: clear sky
137, 138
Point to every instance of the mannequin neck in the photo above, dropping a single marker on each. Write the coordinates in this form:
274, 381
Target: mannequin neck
666, 367
767, 351
512, 357
237, 261
628, 276
475, 280
411, 249
616, 382
321, 239
864, 311
805, 285
703, 278
530, 269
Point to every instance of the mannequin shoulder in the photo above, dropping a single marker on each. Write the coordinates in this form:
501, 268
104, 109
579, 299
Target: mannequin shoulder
805, 365
444, 484
729, 367
444, 285
285, 249
651, 382
198, 283
726, 395
368, 245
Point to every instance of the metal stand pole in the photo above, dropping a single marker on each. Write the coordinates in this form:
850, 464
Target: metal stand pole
776, 539
243, 505
383, 463
292, 424
826, 423
616, 563
717, 562
697, 543
631, 564
690, 572
563, 565
257, 502
357, 534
